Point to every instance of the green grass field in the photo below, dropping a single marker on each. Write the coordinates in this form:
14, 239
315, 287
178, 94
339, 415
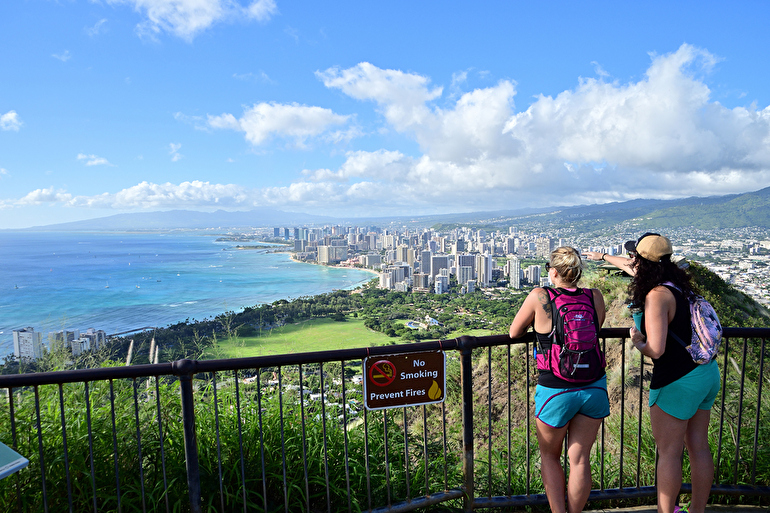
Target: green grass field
306, 336
310, 336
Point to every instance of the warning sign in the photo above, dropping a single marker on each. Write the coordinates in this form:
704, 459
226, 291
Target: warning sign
399, 380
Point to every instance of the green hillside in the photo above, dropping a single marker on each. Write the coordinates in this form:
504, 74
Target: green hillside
709, 213
751, 209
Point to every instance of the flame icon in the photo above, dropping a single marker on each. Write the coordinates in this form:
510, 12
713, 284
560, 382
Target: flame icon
435, 391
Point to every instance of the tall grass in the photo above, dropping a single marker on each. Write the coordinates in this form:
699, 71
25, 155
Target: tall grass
271, 449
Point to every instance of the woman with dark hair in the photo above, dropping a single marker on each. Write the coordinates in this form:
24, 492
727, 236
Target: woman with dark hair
681, 391
561, 406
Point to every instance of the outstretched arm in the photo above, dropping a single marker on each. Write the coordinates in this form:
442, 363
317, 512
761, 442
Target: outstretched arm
624, 263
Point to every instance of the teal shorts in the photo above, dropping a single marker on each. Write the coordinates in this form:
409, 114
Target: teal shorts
556, 406
694, 391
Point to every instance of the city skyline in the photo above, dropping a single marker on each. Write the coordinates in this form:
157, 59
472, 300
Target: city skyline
147, 105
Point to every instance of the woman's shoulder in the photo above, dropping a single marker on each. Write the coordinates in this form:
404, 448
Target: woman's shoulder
539, 294
663, 292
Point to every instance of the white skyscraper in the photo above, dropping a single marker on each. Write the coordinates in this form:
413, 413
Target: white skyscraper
533, 275
464, 274
27, 343
483, 270
514, 272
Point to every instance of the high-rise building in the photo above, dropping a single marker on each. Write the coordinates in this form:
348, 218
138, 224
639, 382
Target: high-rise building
544, 246
332, 254
27, 343
510, 246
421, 280
514, 272
372, 260
64, 337
483, 270
388, 241
401, 252
438, 262
444, 244
441, 284
96, 338
533, 275
80, 345
425, 261
464, 260
464, 274
410, 258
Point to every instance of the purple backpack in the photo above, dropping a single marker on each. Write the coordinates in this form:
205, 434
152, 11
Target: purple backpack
574, 354
706, 329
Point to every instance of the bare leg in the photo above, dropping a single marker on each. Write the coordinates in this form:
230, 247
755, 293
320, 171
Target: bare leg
701, 461
669, 435
550, 441
582, 435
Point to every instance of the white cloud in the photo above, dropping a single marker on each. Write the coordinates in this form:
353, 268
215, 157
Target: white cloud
3, 172
173, 150
40, 196
98, 28
402, 96
291, 121
386, 165
262, 10
602, 141
64, 56
10, 121
93, 160
147, 195
187, 18
261, 77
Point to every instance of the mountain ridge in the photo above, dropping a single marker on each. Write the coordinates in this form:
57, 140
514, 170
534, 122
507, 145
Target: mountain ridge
709, 212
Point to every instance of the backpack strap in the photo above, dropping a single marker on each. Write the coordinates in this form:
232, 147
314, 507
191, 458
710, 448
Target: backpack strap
674, 335
590, 294
552, 295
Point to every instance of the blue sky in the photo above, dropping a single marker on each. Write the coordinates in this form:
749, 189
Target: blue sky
375, 108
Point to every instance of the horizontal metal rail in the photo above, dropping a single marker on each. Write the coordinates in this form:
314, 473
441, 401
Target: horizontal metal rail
289, 432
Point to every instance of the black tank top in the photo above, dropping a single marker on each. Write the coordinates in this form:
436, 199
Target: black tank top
675, 361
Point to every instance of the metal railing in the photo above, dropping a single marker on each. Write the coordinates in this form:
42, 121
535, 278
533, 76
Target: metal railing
290, 433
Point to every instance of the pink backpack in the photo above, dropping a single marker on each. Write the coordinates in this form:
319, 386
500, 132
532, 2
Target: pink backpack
706, 329
574, 354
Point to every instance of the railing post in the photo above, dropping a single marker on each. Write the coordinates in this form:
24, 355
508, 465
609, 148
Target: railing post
466, 385
185, 369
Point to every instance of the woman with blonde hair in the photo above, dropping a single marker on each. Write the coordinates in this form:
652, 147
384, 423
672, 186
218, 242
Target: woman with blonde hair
565, 406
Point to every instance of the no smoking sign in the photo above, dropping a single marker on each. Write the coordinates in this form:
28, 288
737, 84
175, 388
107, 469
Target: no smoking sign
397, 380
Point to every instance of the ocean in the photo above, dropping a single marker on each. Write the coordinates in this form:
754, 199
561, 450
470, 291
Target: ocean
124, 281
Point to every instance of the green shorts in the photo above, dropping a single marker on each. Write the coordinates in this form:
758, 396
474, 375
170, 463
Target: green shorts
694, 391
556, 406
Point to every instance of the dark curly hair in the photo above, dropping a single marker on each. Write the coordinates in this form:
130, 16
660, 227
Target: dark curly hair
649, 275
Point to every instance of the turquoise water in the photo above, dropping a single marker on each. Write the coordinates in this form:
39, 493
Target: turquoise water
120, 282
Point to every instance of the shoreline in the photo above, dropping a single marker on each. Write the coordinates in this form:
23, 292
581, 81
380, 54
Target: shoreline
377, 273
255, 278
